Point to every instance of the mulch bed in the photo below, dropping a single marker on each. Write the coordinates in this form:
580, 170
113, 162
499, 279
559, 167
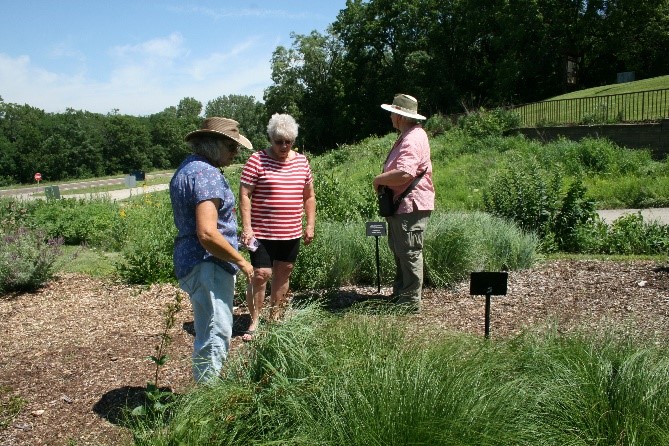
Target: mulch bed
76, 350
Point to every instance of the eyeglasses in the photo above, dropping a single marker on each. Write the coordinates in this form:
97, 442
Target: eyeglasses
280, 142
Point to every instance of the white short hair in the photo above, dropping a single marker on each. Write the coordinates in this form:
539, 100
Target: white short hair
283, 126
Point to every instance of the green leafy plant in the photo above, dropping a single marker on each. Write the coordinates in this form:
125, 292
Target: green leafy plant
93, 222
147, 256
438, 124
160, 400
10, 407
575, 211
525, 194
629, 234
482, 122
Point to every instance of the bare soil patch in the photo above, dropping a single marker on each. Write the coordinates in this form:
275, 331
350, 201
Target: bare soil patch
75, 351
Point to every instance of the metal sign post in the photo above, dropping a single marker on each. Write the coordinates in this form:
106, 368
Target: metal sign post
488, 283
130, 182
377, 229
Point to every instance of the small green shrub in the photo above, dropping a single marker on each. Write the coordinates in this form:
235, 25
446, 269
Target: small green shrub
147, 256
575, 211
489, 123
525, 194
437, 124
94, 222
27, 259
337, 200
15, 213
592, 156
629, 234
533, 199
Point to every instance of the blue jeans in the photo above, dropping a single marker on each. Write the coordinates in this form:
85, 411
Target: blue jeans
211, 290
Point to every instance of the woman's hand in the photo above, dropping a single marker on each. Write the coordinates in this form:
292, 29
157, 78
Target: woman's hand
247, 236
308, 234
246, 268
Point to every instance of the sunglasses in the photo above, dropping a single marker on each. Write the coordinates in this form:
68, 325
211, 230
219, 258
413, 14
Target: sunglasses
280, 142
231, 146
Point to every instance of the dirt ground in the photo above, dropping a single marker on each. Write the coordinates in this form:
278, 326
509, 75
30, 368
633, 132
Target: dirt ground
75, 351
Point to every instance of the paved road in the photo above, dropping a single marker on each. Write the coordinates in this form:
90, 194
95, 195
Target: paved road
660, 215
28, 193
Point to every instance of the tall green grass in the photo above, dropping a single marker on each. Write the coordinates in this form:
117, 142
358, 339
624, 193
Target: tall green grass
355, 379
455, 244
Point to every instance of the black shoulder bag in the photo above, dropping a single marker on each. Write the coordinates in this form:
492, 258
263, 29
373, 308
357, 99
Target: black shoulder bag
387, 204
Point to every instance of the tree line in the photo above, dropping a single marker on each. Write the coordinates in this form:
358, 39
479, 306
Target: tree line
453, 55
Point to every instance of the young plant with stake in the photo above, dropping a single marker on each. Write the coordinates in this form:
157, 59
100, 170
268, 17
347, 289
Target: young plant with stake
159, 400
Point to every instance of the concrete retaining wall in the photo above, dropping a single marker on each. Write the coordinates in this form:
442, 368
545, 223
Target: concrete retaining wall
653, 136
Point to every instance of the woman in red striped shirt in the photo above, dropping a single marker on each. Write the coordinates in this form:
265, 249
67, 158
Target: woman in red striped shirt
276, 190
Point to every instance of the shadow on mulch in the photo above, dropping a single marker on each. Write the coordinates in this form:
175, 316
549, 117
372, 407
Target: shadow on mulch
337, 300
240, 323
115, 406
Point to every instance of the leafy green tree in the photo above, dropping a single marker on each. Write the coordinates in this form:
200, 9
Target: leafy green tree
311, 90
73, 147
249, 113
385, 43
189, 108
126, 144
168, 131
8, 157
22, 126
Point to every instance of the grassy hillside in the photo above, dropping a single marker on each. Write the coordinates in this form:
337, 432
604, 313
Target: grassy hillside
466, 167
655, 83
607, 104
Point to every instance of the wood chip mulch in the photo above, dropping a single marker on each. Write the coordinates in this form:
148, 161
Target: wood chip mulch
76, 350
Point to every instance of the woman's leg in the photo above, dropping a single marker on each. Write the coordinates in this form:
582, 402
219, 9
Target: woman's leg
255, 297
280, 284
211, 290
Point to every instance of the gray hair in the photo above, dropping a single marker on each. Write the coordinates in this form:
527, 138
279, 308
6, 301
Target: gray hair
208, 146
282, 125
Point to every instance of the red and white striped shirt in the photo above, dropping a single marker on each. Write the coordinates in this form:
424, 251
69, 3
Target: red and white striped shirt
277, 201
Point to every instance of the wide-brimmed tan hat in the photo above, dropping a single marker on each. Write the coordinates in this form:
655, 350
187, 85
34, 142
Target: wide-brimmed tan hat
222, 126
404, 105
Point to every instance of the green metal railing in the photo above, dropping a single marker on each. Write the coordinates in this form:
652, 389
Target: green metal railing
651, 105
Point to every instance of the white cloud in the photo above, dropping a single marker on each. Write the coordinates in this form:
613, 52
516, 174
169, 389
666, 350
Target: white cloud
168, 48
216, 63
145, 78
64, 50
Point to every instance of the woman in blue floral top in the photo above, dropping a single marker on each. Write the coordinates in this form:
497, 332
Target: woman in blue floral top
206, 256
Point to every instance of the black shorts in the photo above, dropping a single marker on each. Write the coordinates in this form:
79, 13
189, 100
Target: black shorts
271, 250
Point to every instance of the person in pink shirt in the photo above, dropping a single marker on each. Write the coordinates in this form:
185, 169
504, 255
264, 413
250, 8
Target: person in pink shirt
276, 191
408, 159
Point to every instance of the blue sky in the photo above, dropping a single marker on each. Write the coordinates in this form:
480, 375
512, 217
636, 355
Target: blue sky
142, 56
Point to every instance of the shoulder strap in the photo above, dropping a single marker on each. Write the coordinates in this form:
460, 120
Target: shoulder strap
411, 186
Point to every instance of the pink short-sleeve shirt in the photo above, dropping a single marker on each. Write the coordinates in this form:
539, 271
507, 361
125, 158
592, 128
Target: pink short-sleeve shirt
411, 154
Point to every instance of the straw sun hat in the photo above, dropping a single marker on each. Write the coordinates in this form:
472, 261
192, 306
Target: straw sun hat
404, 105
221, 126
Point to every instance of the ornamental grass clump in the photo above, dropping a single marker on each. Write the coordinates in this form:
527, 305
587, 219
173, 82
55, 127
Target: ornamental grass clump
27, 259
